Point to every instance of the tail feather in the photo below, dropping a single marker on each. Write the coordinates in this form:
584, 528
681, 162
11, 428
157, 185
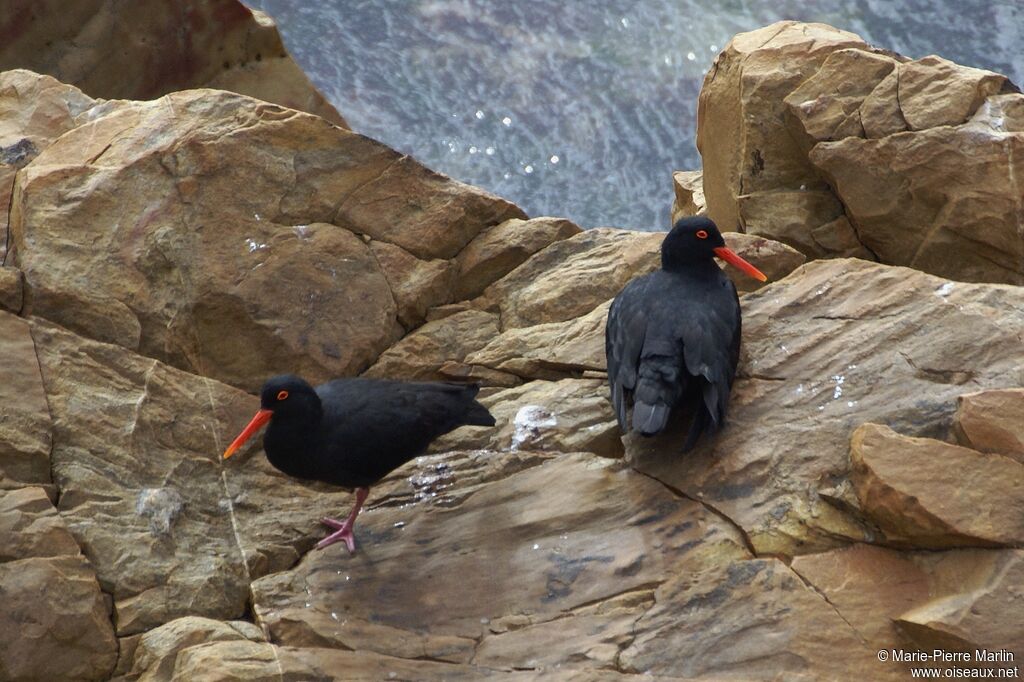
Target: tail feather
650, 419
697, 426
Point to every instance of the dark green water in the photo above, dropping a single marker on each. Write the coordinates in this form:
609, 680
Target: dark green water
574, 108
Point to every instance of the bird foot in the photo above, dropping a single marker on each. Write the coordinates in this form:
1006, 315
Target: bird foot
332, 523
343, 533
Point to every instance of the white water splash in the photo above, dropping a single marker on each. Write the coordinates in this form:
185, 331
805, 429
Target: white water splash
530, 422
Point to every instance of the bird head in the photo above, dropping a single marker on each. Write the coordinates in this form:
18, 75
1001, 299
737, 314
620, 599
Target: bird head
696, 239
282, 397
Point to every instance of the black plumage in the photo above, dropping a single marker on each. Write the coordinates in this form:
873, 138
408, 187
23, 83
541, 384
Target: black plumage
672, 339
353, 432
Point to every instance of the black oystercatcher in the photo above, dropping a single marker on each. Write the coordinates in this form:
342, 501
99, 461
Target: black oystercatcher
354, 432
673, 336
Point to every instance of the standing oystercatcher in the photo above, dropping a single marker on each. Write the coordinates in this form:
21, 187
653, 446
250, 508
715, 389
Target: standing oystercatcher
354, 432
673, 336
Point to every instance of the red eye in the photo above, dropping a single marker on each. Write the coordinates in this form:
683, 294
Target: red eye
702, 234
282, 395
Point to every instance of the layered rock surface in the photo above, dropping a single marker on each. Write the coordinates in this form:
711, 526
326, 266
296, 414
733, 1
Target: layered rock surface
173, 253
170, 244
843, 149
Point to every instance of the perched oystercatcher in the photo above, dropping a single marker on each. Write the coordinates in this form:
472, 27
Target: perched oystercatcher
354, 432
673, 336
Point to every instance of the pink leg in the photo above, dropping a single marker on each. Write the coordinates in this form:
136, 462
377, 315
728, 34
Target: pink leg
343, 531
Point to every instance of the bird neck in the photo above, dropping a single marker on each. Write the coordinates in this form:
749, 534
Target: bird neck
291, 439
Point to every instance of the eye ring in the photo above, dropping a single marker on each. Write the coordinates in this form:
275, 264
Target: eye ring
702, 234
282, 395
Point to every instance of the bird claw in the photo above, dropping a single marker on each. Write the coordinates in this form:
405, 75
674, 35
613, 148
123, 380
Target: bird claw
342, 534
332, 523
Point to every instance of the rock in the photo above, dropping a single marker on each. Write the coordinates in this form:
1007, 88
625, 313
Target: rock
570, 415
161, 48
951, 191
25, 438
785, 216
157, 650
498, 250
553, 563
572, 277
54, 613
987, 615
936, 92
748, 619
34, 111
811, 137
251, 661
187, 272
742, 111
773, 258
548, 351
880, 113
424, 212
11, 290
170, 530
417, 285
828, 105
30, 527
869, 587
833, 345
992, 421
931, 494
954, 600
421, 354
689, 194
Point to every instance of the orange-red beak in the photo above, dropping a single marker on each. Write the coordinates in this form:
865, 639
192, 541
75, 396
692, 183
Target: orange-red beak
261, 418
730, 257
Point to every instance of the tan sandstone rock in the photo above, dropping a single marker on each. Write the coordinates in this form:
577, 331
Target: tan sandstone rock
416, 285
148, 49
929, 493
34, 111
548, 351
155, 655
25, 428
952, 192
870, 587
233, 279
986, 614
54, 614
992, 421
936, 92
421, 354
954, 600
689, 194
748, 619
531, 564
12, 290
812, 137
742, 109
828, 104
500, 249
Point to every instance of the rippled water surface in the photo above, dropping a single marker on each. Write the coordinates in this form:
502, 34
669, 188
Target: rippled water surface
580, 108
